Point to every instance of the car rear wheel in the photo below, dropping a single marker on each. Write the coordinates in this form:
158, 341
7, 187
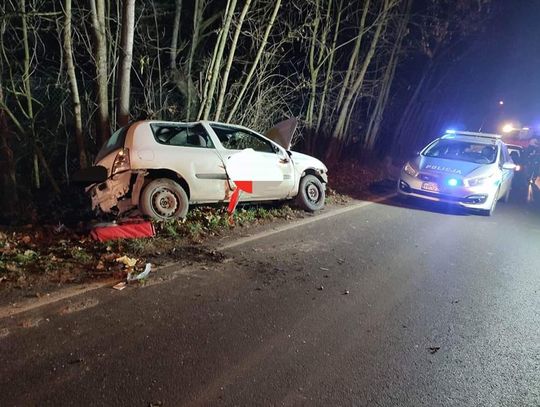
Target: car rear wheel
311, 193
164, 199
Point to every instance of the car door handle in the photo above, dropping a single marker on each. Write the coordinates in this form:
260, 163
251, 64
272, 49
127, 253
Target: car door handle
284, 160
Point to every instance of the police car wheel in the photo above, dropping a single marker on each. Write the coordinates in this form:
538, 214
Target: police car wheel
490, 211
507, 195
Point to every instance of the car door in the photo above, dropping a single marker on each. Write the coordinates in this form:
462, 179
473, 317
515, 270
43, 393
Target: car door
269, 158
507, 175
189, 151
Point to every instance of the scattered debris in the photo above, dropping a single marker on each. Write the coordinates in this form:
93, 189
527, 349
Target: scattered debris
433, 349
340, 261
127, 261
324, 269
320, 288
140, 276
346, 292
120, 286
455, 301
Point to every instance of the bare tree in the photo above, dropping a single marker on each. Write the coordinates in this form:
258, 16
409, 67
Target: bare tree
345, 109
215, 62
74, 87
230, 59
249, 76
126, 58
97, 8
175, 34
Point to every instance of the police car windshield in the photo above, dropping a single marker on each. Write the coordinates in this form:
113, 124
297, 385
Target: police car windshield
477, 153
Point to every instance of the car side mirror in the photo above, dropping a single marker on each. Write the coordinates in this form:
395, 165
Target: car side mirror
509, 166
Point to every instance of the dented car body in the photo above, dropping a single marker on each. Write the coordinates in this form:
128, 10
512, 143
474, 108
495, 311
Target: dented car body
162, 167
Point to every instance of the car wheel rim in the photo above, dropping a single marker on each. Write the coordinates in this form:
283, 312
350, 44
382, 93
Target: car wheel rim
313, 193
165, 202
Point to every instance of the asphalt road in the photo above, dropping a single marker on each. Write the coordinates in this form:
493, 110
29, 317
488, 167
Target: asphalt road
379, 306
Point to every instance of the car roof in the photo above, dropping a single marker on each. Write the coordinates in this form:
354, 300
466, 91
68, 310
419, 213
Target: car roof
472, 139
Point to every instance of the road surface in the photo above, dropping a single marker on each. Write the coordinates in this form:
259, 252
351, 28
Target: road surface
379, 306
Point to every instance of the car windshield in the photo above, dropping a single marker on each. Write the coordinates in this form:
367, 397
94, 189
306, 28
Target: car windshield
115, 142
478, 153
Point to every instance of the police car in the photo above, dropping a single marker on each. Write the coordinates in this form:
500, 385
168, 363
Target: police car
473, 170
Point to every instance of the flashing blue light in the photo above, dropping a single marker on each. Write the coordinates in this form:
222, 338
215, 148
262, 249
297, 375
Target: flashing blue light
450, 132
452, 182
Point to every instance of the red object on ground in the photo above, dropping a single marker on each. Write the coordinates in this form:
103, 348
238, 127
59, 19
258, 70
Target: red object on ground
123, 231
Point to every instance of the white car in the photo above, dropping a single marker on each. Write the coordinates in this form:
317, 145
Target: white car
473, 170
162, 167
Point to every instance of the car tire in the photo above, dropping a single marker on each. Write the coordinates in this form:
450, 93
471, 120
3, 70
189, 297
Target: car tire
164, 199
311, 193
506, 198
491, 210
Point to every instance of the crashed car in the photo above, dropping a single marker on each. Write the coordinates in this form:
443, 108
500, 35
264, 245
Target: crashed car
473, 170
163, 167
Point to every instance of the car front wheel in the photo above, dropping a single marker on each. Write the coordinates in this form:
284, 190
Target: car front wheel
164, 199
491, 210
311, 193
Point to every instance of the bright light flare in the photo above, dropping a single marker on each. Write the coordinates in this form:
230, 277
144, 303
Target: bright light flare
508, 128
452, 182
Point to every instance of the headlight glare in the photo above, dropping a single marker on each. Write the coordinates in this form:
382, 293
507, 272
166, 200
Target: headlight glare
409, 169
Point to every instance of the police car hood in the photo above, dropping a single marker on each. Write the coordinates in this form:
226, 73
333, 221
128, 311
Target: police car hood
444, 166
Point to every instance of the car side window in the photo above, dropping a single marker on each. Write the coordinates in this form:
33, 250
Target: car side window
237, 139
182, 136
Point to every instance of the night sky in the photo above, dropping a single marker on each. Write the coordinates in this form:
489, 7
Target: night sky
504, 64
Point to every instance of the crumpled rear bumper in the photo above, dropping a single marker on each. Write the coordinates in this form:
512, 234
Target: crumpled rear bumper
105, 196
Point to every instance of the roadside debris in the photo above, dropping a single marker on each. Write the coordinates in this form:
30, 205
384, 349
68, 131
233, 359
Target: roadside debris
140, 276
324, 269
346, 292
433, 349
120, 286
127, 261
320, 288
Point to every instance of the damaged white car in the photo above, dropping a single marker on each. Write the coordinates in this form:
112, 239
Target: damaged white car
163, 167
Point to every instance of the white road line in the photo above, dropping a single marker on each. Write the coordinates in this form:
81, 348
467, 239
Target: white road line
303, 222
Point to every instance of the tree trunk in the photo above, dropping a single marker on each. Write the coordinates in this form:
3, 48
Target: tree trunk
253, 68
354, 56
197, 17
382, 100
216, 64
357, 84
100, 53
175, 34
70, 65
230, 60
8, 173
329, 69
28, 89
126, 58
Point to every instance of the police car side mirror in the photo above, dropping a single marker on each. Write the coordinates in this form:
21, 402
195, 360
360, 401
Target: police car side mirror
509, 166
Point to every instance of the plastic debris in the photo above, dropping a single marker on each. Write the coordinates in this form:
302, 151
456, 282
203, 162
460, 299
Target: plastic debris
120, 286
127, 261
140, 276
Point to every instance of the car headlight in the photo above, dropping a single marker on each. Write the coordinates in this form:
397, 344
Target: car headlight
409, 169
474, 182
